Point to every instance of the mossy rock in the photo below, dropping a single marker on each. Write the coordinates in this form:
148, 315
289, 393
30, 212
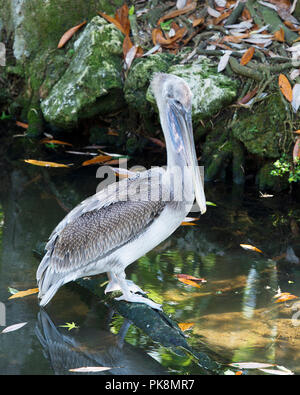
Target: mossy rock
92, 83
263, 129
211, 90
139, 76
267, 182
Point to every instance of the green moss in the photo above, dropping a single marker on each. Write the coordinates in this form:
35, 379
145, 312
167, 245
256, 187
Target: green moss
263, 129
267, 182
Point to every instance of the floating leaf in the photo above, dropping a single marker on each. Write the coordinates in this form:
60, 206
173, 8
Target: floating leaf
285, 297
22, 124
51, 141
250, 247
184, 326
13, 290
69, 326
189, 277
211, 204
45, 164
184, 223
248, 55
96, 160
86, 369
189, 282
14, 327
251, 365
21, 294
285, 87
68, 34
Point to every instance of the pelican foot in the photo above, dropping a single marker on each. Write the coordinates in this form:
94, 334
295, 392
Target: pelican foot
113, 285
140, 299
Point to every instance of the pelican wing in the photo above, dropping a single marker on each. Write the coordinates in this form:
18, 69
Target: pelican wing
101, 223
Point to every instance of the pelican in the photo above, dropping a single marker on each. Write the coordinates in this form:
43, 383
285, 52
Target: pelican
113, 228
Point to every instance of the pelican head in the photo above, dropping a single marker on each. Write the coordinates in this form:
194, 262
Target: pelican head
174, 100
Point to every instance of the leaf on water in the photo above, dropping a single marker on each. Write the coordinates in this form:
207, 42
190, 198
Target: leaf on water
224, 60
189, 277
184, 326
52, 141
86, 369
277, 372
279, 35
45, 164
14, 327
296, 150
190, 219
189, 282
96, 160
285, 87
22, 124
211, 204
284, 297
184, 223
69, 326
296, 97
13, 290
251, 248
251, 365
21, 294
69, 34
248, 55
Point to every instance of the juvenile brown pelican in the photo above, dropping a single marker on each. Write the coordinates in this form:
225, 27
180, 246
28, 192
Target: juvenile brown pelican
116, 226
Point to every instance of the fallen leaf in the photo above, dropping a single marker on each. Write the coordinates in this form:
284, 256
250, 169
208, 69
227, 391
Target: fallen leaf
250, 247
14, 327
212, 12
86, 369
68, 34
158, 37
22, 124
97, 159
187, 223
296, 97
189, 8
198, 21
114, 21
184, 326
45, 164
127, 45
223, 61
21, 294
235, 39
251, 365
131, 54
285, 87
122, 17
248, 55
189, 277
248, 96
51, 141
279, 35
221, 17
189, 282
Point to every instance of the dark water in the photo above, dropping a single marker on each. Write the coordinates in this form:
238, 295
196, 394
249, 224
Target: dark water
234, 313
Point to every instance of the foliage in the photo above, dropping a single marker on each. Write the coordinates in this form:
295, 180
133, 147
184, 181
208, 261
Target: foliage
284, 167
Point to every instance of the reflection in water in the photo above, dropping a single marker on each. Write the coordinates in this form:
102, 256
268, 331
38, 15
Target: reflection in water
92, 347
234, 313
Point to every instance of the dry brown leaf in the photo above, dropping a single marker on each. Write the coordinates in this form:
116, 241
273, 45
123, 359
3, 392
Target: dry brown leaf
251, 248
285, 87
69, 34
158, 37
220, 18
187, 223
236, 39
127, 45
285, 297
45, 164
184, 326
248, 96
279, 35
197, 22
157, 142
114, 21
188, 8
248, 55
96, 160
122, 17
21, 294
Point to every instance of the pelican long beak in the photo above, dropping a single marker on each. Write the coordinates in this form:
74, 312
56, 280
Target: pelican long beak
180, 122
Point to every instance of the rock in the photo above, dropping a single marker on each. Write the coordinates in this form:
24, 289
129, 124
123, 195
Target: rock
267, 182
211, 90
138, 79
263, 130
93, 81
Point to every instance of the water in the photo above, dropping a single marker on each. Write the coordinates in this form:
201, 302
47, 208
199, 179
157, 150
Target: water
234, 314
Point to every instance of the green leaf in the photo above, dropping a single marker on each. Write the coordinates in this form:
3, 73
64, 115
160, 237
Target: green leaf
166, 25
69, 325
12, 290
211, 204
131, 10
